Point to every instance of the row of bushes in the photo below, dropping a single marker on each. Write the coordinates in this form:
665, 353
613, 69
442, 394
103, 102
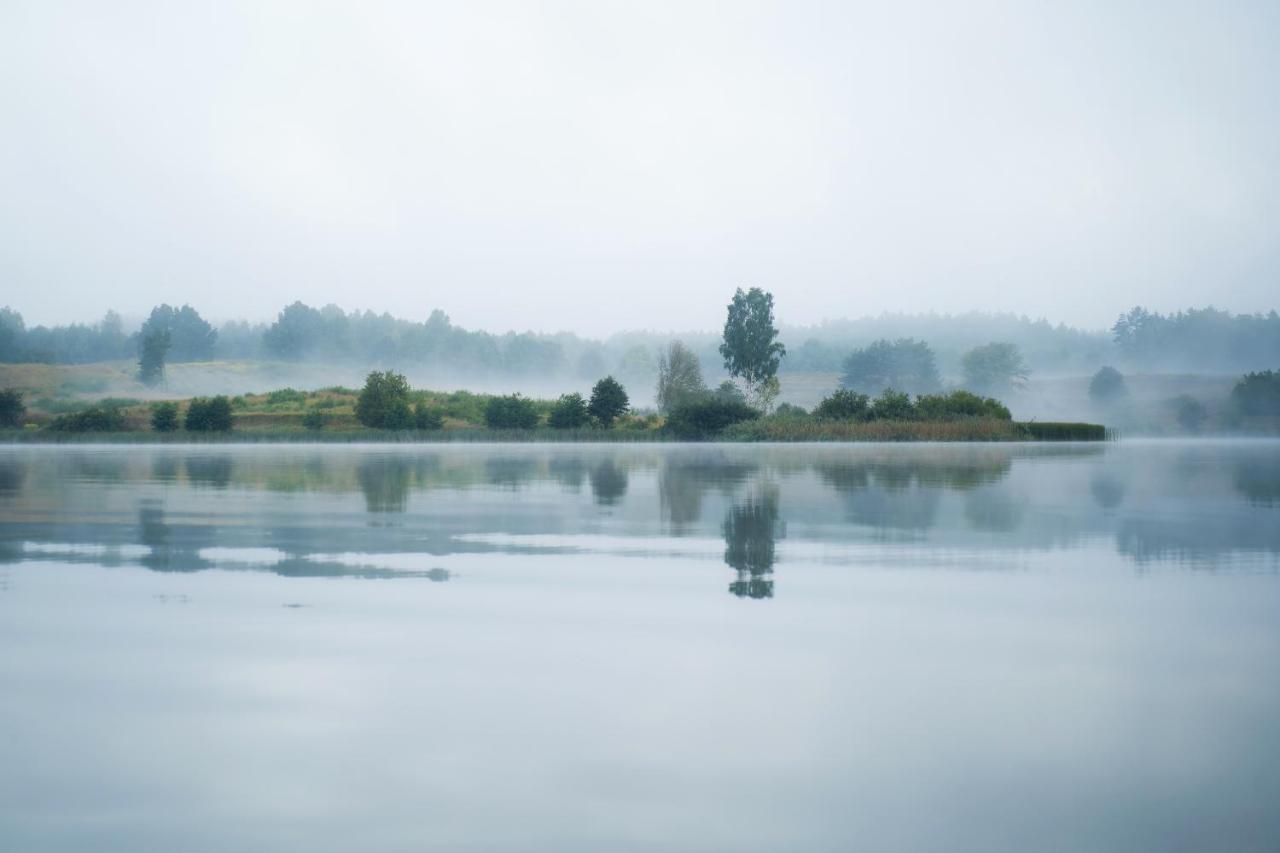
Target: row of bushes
898, 406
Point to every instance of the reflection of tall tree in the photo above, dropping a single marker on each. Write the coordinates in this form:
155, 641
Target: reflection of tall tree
750, 533
608, 482
212, 470
167, 552
385, 482
683, 483
13, 474
570, 472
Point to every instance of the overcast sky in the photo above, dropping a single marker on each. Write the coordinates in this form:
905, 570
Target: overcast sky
605, 166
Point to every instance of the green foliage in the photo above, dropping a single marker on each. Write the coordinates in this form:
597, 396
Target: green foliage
164, 417
1107, 386
285, 396
608, 401
313, 419
844, 404
750, 347
707, 416
729, 393
93, 419
569, 412
208, 414
679, 376
510, 412
994, 367
12, 409
384, 401
155, 346
426, 417
959, 404
1190, 413
191, 338
892, 405
789, 410
905, 363
1257, 393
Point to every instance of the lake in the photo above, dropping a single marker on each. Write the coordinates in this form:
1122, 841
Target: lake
641, 647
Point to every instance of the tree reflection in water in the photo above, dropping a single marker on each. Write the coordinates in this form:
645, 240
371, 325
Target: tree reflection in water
751, 530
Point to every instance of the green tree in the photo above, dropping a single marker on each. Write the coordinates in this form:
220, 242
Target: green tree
190, 337
750, 347
1190, 412
679, 376
994, 367
211, 414
426, 417
313, 419
12, 410
844, 405
1257, 393
905, 363
608, 401
1107, 386
569, 412
892, 405
384, 401
511, 411
164, 417
155, 346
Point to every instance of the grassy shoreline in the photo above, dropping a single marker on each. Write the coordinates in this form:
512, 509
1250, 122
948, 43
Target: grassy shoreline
753, 432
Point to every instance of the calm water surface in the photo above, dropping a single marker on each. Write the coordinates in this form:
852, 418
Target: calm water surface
592, 648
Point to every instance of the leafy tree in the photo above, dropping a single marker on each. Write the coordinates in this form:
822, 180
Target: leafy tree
750, 347
191, 338
994, 367
212, 414
790, 410
12, 410
892, 405
905, 363
679, 376
510, 412
608, 401
1107, 386
569, 412
708, 416
164, 417
1190, 412
959, 404
844, 405
384, 401
155, 346
427, 418
313, 419
93, 419
728, 392
1257, 393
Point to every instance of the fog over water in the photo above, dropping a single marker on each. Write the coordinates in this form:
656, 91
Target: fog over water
603, 167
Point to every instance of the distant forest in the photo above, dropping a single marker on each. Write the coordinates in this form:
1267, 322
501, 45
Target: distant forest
1202, 340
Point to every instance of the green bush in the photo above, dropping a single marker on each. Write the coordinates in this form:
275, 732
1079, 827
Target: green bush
12, 410
893, 405
384, 401
93, 419
788, 410
959, 404
164, 417
211, 414
569, 412
608, 401
313, 419
285, 395
707, 416
844, 405
426, 417
1257, 393
510, 412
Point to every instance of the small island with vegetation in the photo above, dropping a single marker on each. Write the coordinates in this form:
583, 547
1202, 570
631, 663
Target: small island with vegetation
387, 408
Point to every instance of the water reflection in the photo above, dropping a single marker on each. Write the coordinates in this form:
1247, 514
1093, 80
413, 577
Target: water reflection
1197, 504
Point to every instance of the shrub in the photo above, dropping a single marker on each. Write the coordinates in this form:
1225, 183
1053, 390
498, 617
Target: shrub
959, 404
788, 410
212, 414
313, 419
164, 417
93, 419
285, 395
608, 401
844, 405
384, 401
510, 412
12, 410
425, 417
708, 416
569, 412
892, 405
1257, 393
